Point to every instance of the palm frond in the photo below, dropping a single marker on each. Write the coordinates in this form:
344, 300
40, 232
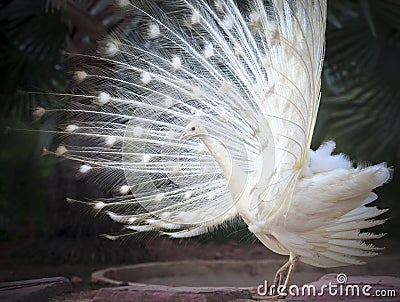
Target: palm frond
361, 106
35, 35
31, 55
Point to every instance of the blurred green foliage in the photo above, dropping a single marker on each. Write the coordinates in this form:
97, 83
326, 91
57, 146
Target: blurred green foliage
23, 182
30, 61
360, 107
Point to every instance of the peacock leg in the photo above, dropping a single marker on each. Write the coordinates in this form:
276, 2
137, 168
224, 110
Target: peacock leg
284, 274
291, 270
280, 276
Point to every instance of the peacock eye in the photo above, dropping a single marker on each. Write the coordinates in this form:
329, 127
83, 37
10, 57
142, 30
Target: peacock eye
193, 128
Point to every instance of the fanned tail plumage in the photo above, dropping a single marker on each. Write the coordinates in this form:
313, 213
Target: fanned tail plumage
252, 80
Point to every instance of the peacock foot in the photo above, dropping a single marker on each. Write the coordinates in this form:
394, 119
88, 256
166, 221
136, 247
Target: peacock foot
283, 276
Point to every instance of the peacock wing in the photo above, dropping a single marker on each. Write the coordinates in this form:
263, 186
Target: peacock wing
293, 72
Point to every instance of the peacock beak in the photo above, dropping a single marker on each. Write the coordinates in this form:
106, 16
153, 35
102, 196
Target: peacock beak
183, 136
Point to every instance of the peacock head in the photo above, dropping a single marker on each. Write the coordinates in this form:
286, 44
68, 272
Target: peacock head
193, 129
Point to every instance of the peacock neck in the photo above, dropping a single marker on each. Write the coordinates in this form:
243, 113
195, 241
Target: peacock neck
234, 175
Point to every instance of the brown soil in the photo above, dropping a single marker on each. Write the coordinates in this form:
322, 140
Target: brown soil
160, 249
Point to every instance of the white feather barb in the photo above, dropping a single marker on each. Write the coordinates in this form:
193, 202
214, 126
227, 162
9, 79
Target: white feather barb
250, 80
253, 97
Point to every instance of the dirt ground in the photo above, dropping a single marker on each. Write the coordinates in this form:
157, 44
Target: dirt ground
160, 249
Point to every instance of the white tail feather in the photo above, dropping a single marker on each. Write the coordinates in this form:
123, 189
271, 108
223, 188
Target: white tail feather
248, 85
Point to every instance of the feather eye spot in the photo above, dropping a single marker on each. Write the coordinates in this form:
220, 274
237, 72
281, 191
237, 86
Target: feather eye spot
188, 194
266, 62
102, 98
219, 6
152, 221
197, 92
71, 128
259, 90
146, 158
114, 217
85, 168
211, 195
154, 31
271, 89
138, 131
208, 50
61, 150
99, 205
111, 48
110, 140
227, 22
275, 37
223, 116
195, 17
176, 63
38, 113
123, 3
238, 51
227, 88
145, 77
176, 169
168, 102
255, 20
171, 135
132, 220
80, 75
125, 189
196, 112
165, 215
159, 197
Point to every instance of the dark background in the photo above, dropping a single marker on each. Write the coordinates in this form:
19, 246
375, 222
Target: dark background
360, 110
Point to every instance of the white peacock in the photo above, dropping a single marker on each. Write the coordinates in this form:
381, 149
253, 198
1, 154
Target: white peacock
207, 114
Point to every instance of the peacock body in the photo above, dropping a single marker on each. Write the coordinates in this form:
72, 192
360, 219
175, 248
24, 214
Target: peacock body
203, 114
